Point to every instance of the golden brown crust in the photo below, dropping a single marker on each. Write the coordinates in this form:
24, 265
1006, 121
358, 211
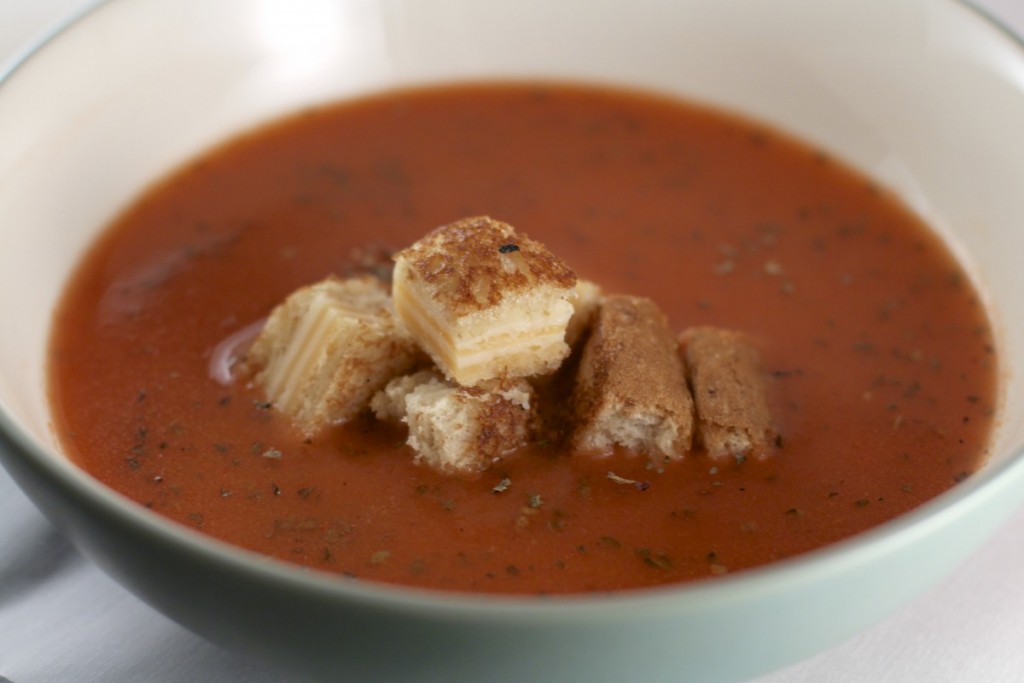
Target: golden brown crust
631, 387
504, 417
730, 392
483, 302
475, 262
467, 429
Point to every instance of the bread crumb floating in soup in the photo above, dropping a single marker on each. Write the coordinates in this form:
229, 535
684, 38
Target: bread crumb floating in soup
704, 346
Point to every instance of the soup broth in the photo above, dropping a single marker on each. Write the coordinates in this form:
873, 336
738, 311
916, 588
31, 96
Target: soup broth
877, 348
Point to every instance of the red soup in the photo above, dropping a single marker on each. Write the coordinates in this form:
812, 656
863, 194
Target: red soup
878, 351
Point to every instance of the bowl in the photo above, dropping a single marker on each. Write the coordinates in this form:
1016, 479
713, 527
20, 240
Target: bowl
133, 89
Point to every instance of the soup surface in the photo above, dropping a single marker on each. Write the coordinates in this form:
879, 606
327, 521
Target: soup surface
878, 351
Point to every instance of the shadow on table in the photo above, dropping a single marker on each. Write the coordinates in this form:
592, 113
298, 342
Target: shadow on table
32, 557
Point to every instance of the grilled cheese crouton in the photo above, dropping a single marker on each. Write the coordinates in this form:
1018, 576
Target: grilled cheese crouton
484, 302
631, 386
730, 393
459, 429
327, 348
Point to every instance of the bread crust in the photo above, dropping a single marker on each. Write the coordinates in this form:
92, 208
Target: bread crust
730, 393
475, 263
631, 389
484, 301
456, 429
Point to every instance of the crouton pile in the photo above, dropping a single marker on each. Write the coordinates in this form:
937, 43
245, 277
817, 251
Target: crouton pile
476, 318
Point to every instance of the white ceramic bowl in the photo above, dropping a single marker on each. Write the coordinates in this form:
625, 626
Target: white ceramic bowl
924, 95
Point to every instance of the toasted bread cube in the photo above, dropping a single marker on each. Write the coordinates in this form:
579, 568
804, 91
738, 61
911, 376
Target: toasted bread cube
465, 429
631, 386
729, 389
327, 348
485, 302
454, 428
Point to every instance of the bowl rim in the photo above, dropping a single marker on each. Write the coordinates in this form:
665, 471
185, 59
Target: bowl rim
619, 605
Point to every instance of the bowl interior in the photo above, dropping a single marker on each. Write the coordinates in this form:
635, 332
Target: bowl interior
88, 122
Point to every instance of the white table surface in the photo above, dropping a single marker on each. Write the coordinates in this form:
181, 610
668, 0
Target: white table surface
63, 621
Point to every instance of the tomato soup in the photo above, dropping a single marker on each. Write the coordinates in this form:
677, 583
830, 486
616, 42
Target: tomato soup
877, 349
